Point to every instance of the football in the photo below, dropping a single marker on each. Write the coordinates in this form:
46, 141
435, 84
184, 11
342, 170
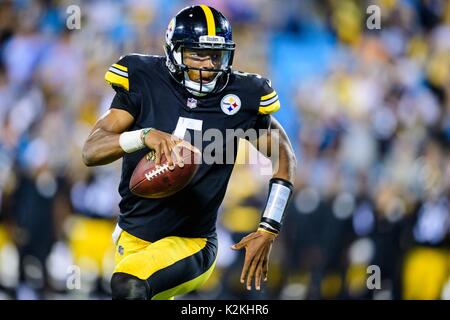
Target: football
151, 181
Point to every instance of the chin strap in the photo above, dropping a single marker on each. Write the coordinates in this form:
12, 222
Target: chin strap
199, 90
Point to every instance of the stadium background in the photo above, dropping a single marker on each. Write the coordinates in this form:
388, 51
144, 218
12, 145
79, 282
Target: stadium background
368, 112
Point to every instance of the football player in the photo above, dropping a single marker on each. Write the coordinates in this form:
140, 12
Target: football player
167, 247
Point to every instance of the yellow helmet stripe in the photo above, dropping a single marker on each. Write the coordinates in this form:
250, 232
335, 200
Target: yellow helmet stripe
209, 20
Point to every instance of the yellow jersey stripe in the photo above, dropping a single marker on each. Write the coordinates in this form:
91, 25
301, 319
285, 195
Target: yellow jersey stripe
209, 20
268, 102
268, 96
118, 66
115, 79
271, 108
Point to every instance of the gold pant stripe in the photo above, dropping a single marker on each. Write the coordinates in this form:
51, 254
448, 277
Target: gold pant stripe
209, 20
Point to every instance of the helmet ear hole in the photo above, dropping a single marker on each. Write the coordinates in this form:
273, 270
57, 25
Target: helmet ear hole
178, 56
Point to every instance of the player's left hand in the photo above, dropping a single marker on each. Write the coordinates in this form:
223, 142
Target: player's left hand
257, 250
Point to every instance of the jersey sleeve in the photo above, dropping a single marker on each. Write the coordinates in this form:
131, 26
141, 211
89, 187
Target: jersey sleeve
119, 76
269, 102
126, 101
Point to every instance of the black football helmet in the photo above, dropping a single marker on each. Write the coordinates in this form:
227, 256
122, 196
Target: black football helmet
200, 28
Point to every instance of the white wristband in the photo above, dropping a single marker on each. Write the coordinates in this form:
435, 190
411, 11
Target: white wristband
277, 202
131, 141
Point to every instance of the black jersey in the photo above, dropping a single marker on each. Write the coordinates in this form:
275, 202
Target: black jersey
145, 89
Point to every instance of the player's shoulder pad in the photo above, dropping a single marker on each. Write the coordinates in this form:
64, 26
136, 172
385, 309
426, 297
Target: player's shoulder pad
126, 69
268, 97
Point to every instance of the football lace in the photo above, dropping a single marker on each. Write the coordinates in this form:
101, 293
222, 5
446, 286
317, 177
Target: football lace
159, 170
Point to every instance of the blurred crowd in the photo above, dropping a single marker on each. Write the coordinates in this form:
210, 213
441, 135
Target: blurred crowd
368, 112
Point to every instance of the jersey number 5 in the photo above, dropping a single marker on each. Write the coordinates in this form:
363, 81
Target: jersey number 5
187, 123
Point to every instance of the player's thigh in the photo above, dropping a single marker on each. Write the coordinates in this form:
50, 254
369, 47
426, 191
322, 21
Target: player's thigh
173, 265
127, 244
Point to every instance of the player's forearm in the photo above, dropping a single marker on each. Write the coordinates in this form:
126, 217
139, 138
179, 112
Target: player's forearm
281, 185
102, 147
284, 162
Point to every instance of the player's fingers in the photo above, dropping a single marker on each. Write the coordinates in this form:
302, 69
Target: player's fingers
245, 240
259, 272
241, 244
175, 139
245, 268
157, 149
238, 246
170, 146
187, 145
168, 154
252, 269
265, 265
176, 154
265, 270
196, 153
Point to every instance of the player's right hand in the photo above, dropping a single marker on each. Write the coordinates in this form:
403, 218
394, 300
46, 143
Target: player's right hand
257, 251
164, 143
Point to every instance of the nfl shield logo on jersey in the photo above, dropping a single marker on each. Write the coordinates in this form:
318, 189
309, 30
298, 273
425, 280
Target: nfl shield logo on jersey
192, 103
230, 104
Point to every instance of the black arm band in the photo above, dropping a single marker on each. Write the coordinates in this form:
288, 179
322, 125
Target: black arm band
280, 192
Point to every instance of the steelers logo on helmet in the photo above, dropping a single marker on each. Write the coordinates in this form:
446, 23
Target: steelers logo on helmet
170, 30
230, 104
